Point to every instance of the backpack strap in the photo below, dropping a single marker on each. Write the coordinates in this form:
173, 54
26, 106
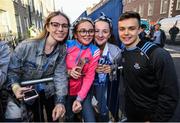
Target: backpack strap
147, 48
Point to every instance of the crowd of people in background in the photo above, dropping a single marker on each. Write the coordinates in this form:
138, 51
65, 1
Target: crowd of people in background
156, 35
93, 79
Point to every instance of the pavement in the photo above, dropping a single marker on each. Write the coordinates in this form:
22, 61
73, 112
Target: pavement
174, 51
172, 47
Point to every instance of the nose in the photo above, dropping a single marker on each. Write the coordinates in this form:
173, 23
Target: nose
100, 33
60, 28
126, 32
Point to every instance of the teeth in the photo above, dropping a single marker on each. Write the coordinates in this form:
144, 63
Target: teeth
127, 38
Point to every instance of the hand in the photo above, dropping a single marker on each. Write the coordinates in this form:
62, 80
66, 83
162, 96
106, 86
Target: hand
74, 73
19, 92
77, 107
99, 68
58, 112
107, 68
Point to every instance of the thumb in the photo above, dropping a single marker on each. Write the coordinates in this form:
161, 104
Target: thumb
54, 114
24, 89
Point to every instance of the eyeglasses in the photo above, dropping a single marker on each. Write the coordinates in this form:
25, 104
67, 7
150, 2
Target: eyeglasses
56, 25
84, 32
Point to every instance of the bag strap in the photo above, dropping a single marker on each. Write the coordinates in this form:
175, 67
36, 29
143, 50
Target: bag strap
147, 48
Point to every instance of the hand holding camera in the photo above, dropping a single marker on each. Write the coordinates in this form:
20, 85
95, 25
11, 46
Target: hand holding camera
19, 91
30, 94
76, 71
80, 65
100, 68
103, 68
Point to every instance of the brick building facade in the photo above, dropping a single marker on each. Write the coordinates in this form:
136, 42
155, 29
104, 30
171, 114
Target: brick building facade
153, 10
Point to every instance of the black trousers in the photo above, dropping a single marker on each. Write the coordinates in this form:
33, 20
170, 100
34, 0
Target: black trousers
39, 105
1, 112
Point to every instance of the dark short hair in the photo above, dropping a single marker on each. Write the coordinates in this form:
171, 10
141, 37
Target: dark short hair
157, 24
130, 14
143, 26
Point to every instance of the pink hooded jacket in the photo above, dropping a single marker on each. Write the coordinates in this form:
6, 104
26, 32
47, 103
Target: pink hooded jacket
76, 51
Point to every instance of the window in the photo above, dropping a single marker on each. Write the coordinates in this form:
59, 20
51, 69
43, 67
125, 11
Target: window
4, 26
24, 2
164, 6
31, 4
141, 10
19, 26
135, 10
178, 5
150, 7
15, 1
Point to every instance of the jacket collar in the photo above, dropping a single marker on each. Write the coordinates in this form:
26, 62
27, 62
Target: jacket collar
41, 46
81, 46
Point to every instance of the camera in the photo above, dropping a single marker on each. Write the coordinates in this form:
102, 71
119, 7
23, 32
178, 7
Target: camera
81, 64
30, 94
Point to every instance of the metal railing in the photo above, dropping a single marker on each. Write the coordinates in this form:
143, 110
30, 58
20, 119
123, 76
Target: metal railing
32, 82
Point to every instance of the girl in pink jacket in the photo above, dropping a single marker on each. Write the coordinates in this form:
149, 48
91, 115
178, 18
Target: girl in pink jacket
82, 59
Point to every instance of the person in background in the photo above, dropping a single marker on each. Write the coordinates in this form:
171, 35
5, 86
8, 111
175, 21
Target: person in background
40, 58
143, 34
151, 33
106, 72
173, 32
4, 61
82, 59
151, 91
159, 36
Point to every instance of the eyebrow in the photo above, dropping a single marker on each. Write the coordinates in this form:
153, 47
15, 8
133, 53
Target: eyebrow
128, 27
86, 29
58, 22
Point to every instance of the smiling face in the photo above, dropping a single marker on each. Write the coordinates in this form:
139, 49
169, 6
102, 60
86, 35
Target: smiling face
58, 28
128, 32
102, 32
84, 33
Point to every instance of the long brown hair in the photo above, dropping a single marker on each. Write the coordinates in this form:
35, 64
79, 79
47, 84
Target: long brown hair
44, 32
